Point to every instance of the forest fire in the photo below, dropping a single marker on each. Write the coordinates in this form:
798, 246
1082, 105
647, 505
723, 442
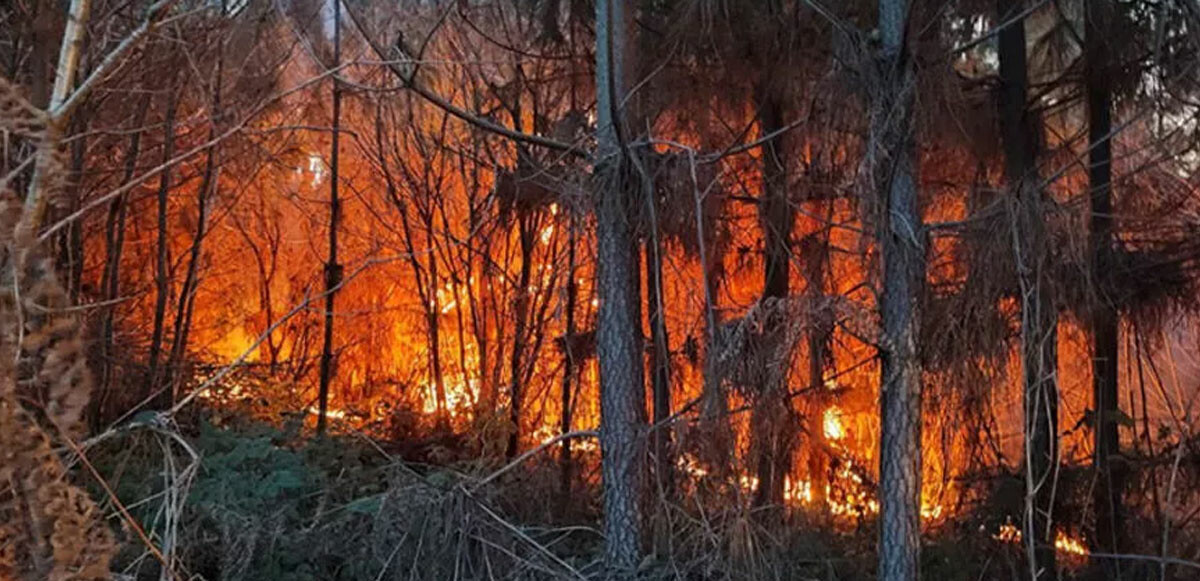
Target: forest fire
831, 424
597, 290
1063, 542
1070, 545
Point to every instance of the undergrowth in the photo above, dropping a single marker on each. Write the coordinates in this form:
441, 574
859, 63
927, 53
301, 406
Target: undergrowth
260, 502
252, 501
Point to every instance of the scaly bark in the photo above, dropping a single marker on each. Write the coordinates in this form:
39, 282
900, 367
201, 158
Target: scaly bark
619, 336
903, 253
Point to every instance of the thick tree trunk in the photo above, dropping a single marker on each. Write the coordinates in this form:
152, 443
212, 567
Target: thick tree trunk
903, 253
619, 336
1110, 476
333, 270
1039, 317
771, 411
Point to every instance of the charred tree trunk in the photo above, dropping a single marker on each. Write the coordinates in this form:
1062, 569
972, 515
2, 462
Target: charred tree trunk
433, 314
902, 246
526, 234
110, 283
714, 410
569, 369
187, 293
814, 255
619, 336
1105, 322
1039, 317
478, 269
660, 355
208, 183
43, 40
527, 227
162, 266
775, 214
333, 270
70, 254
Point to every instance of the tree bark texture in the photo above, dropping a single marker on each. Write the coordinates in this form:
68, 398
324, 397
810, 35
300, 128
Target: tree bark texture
903, 254
619, 336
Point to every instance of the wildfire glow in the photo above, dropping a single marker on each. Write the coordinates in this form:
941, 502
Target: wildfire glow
1063, 542
832, 424
330, 412
1067, 544
797, 492
460, 396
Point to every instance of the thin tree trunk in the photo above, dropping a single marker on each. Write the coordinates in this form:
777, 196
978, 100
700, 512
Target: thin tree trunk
660, 374
771, 417
162, 266
433, 313
479, 272
714, 411
41, 52
526, 234
333, 270
1038, 315
37, 199
187, 293
208, 183
618, 340
1110, 478
70, 258
903, 254
110, 284
569, 368
426, 287
814, 255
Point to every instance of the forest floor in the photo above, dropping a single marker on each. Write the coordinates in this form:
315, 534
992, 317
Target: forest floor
249, 500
